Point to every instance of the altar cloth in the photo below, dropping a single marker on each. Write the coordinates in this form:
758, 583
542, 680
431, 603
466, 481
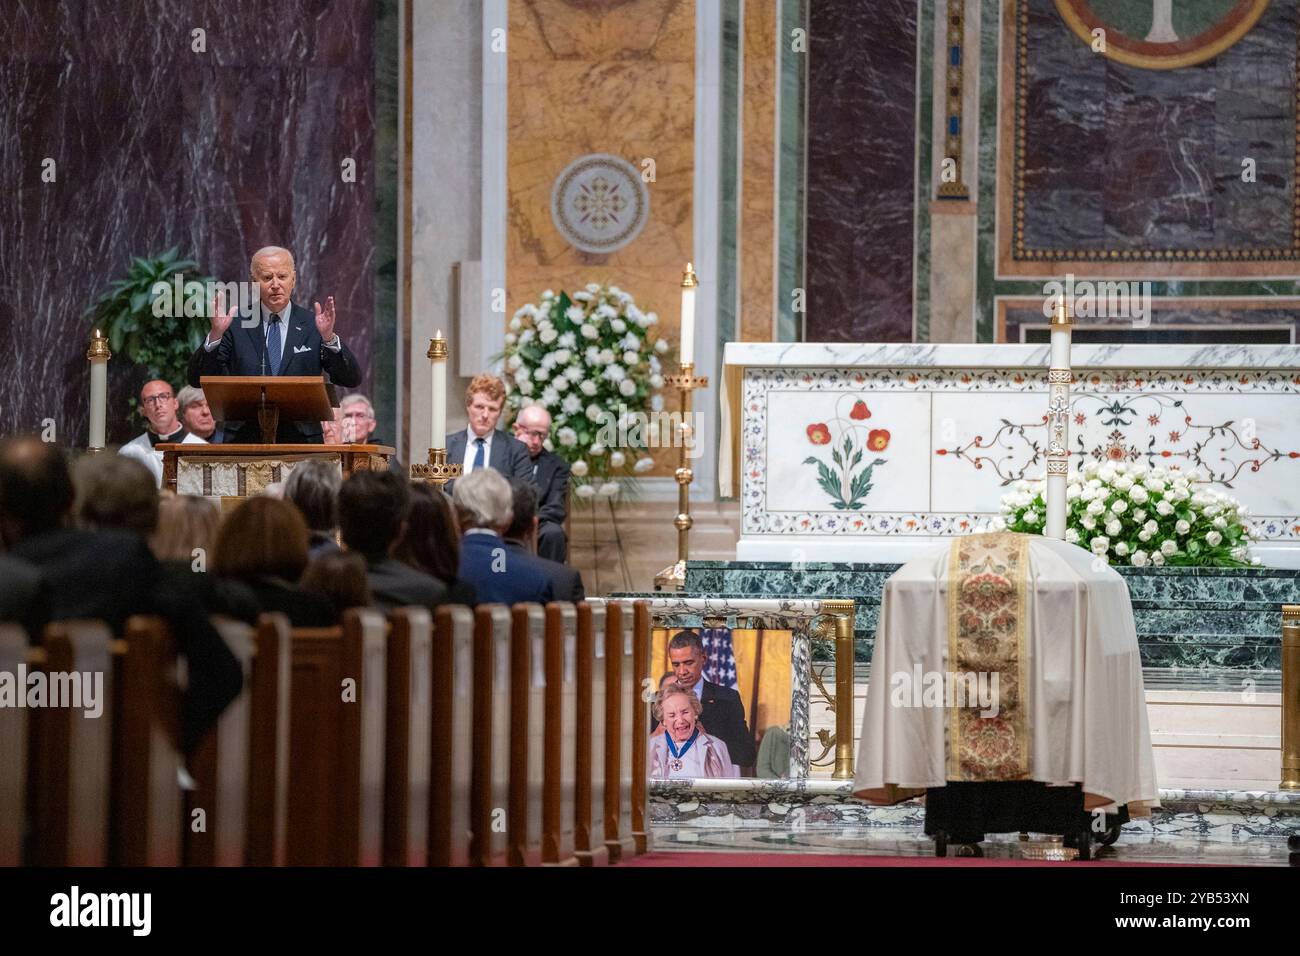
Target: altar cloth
1076, 706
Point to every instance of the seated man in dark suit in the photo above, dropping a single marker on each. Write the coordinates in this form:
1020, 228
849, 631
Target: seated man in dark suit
551, 476
485, 506
279, 339
724, 714
481, 444
108, 574
20, 596
372, 509
566, 582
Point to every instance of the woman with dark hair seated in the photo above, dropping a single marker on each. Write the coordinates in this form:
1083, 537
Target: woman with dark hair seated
313, 486
431, 541
263, 543
340, 581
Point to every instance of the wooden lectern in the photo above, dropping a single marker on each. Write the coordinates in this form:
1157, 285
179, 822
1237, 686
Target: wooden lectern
264, 398
237, 471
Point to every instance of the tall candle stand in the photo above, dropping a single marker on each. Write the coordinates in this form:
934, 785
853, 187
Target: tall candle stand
437, 470
98, 354
673, 577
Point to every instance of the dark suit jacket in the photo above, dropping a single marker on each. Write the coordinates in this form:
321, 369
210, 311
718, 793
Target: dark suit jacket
724, 717
303, 608
20, 594
242, 351
510, 581
551, 476
566, 582
508, 455
110, 575
395, 584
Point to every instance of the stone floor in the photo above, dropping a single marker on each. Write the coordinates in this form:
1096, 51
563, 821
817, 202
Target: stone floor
911, 841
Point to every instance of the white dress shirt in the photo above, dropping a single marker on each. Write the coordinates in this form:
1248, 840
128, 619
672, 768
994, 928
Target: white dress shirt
471, 449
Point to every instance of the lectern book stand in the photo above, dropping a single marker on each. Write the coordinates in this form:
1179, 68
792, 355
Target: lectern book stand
265, 398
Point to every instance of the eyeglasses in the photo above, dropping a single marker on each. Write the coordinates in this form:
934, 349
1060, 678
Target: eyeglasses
533, 433
155, 399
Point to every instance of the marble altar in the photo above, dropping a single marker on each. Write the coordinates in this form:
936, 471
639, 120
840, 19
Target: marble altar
870, 452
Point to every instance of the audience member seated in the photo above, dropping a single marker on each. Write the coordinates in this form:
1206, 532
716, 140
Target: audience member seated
357, 419
108, 574
332, 429
340, 580
484, 504
372, 511
521, 536
550, 475
21, 595
195, 414
482, 444
431, 541
183, 542
263, 543
158, 404
313, 487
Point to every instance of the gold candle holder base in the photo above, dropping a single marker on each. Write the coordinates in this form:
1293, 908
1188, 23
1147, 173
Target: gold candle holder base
437, 471
673, 577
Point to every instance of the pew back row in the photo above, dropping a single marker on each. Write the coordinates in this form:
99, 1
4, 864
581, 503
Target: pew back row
499, 736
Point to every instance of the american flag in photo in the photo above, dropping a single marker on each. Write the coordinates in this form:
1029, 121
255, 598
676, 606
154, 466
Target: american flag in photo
719, 658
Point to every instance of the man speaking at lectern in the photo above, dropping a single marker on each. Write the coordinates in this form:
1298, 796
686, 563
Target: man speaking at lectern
283, 339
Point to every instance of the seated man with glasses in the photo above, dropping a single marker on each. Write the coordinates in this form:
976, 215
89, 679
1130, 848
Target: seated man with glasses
550, 475
159, 406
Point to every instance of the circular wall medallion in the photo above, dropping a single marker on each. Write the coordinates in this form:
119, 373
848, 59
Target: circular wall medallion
599, 203
1161, 34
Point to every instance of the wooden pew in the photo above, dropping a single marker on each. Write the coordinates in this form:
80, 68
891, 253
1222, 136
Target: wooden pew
490, 763
336, 743
452, 736
71, 754
589, 759
619, 691
559, 770
408, 738
214, 822
529, 724
145, 803
267, 813
15, 659
640, 725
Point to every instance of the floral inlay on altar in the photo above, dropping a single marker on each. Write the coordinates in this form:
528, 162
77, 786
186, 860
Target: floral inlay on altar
593, 361
847, 480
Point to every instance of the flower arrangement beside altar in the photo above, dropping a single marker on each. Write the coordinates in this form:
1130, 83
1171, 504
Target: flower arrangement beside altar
593, 361
1143, 517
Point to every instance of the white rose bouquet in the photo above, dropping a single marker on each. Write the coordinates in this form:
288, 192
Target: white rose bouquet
1139, 516
593, 361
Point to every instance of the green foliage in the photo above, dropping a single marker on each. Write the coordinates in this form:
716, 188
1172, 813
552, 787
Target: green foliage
159, 340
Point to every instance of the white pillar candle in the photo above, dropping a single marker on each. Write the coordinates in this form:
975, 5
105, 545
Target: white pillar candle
1058, 421
98, 356
438, 423
689, 282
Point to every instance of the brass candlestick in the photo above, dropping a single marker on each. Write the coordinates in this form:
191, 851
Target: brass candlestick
437, 471
673, 577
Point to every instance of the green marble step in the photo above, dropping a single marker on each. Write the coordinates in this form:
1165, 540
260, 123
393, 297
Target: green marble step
1194, 618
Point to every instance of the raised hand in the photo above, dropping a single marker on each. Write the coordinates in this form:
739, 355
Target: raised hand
221, 318
325, 319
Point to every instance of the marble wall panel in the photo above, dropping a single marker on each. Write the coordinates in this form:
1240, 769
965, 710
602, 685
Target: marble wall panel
218, 152
756, 231
861, 159
587, 77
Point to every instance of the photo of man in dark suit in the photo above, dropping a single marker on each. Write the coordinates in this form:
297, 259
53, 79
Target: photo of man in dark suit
723, 715
281, 338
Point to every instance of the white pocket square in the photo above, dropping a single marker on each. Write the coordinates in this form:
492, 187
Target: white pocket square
299, 349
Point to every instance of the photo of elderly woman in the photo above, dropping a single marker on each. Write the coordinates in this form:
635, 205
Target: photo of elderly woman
681, 748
